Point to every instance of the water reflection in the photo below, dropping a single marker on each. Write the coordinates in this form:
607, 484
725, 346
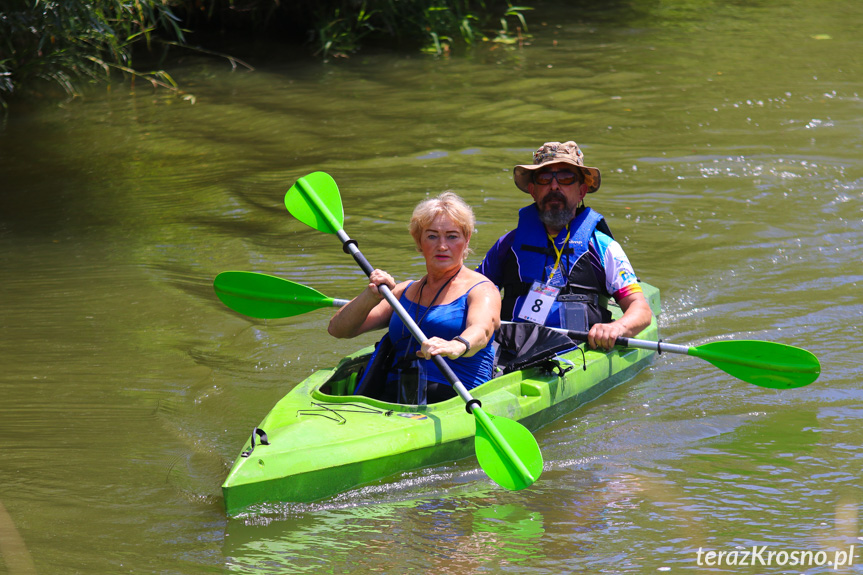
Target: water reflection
728, 138
13, 551
459, 533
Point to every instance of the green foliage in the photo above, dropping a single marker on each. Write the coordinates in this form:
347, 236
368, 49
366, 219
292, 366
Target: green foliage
433, 24
65, 42
340, 28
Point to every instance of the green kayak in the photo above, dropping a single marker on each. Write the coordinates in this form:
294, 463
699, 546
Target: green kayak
320, 440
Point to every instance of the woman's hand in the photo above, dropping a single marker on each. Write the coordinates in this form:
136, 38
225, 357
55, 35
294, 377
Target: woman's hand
377, 278
367, 311
453, 349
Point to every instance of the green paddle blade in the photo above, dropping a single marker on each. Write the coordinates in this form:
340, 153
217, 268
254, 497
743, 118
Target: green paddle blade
506, 451
267, 297
315, 201
764, 363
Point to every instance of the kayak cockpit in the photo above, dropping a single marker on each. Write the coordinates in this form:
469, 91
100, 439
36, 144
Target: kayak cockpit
346, 375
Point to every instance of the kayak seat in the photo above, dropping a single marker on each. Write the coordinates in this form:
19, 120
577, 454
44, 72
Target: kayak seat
373, 378
525, 345
518, 346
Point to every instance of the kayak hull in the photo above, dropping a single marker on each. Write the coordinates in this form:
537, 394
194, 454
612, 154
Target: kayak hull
321, 440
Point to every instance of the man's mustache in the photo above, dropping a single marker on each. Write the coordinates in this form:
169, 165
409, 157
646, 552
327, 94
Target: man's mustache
555, 197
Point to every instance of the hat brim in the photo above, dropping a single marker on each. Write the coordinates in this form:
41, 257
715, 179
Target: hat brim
522, 175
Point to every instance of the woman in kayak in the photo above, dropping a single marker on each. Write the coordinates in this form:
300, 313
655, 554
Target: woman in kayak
456, 307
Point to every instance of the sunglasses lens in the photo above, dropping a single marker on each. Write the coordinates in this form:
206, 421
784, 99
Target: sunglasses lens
565, 178
544, 178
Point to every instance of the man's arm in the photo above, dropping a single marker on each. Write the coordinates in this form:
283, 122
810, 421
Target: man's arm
622, 283
636, 316
492, 264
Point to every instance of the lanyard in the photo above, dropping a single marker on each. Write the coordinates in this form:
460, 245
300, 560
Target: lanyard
420, 296
419, 321
559, 252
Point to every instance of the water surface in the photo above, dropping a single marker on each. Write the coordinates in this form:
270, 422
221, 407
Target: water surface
729, 137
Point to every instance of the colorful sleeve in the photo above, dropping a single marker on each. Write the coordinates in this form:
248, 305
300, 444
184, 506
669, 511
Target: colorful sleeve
620, 279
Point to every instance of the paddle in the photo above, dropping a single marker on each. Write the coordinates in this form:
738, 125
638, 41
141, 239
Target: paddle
505, 449
268, 297
763, 363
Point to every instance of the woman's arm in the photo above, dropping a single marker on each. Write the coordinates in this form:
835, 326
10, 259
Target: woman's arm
368, 311
483, 317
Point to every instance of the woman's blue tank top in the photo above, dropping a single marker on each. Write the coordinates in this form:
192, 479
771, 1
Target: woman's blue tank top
444, 321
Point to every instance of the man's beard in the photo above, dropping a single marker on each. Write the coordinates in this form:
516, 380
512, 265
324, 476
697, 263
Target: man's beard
556, 218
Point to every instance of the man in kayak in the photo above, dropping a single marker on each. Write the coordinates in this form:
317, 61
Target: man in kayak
560, 265
455, 306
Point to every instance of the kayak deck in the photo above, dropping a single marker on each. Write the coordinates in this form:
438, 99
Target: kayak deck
321, 440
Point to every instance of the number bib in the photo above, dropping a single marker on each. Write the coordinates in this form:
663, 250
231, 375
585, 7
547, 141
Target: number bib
538, 302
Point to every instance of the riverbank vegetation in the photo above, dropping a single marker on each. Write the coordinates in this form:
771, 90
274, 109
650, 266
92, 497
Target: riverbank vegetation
54, 47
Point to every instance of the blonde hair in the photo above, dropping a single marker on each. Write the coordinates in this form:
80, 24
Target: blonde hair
448, 204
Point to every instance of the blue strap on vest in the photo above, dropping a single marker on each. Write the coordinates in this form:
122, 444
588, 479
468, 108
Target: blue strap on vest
530, 247
531, 237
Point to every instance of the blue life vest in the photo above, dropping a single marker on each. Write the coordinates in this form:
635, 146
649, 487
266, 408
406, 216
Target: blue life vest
531, 254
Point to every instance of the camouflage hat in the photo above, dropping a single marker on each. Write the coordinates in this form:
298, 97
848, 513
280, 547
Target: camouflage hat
553, 153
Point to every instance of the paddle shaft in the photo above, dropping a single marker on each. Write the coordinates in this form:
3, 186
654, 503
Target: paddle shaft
473, 406
766, 364
576, 335
580, 336
705, 354
629, 342
351, 247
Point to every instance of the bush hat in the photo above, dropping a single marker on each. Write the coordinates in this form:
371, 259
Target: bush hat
553, 153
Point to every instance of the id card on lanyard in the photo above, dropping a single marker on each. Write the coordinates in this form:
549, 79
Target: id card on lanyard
542, 295
538, 302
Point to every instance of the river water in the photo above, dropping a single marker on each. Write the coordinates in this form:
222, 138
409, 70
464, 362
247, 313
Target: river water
731, 144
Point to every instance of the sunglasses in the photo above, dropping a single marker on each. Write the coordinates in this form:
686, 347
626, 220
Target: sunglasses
563, 177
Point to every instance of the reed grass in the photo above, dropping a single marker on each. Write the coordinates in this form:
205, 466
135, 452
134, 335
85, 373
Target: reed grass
51, 45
